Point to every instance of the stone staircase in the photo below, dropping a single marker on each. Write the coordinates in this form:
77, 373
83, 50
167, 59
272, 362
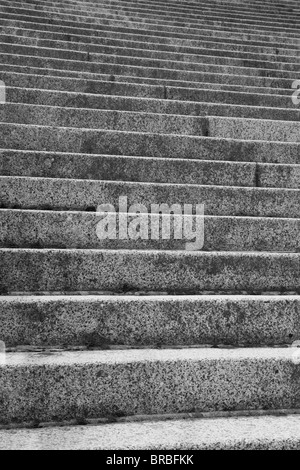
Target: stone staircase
136, 344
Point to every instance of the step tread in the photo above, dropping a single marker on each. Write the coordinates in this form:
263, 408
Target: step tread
258, 432
205, 355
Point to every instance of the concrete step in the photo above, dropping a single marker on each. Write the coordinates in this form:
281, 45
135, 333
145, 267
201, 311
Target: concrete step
264, 9
37, 83
46, 39
279, 53
241, 41
72, 194
94, 384
287, 6
148, 169
181, 21
241, 84
230, 8
139, 321
207, 25
166, 104
246, 433
52, 229
77, 60
137, 49
31, 77
154, 120
226, 94
183, 103
72, 140
115, 20
189, 272
152, 29
144, 169
161, 12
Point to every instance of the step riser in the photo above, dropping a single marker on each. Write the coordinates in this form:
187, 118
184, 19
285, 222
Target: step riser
103, 322
26, 229
149, 122
38, 138
59, 194
248, 99
140, 169
143, 169
90, 61
117, 271
134, 387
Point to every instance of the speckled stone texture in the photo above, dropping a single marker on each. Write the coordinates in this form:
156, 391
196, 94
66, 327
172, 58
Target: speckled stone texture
148, 169
98, 83
139, 116
103, 321
60, 194
140, 74
60, 139
180, 271
143, 169
249, 433
208, 93
91, 384
174, 103
183, 33
144, 67
53, 229
143, 104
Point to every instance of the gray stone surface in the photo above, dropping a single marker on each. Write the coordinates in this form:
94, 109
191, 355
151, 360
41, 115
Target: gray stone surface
63, 385
203, 93
97, 55
218, 35
148, 169
282, 52
174, 102
89, 82
148, 16
124, 270
186, 30
143, 169
150, 116
254, 55
104, 321
124, 66
71, 229
249, 433
71, 194
152, 105
59, 139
